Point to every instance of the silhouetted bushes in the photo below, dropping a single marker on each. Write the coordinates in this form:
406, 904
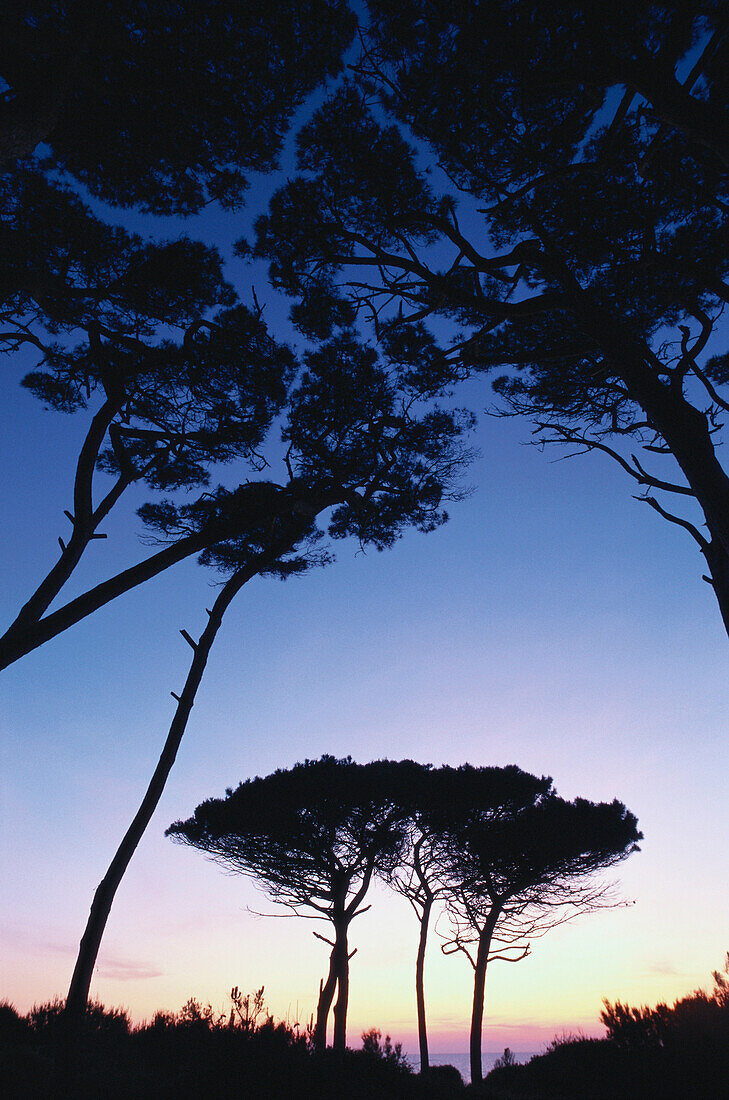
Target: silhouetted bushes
196, 1052
681, 1051
669, 1052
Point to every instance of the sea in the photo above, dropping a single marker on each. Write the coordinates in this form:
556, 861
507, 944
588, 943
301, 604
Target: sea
462, 1061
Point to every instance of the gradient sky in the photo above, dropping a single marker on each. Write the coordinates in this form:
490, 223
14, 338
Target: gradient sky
554, 623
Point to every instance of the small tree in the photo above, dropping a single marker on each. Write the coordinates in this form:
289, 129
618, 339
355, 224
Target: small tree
313, 836
440, 800
518, 875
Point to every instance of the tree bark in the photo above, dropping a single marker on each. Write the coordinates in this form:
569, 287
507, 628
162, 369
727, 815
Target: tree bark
340, 1009
718, 562
85, 520
684, 427
337, 982
419, 984
326, 996
479, 989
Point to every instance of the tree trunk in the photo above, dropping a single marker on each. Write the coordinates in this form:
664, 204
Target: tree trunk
84, 521
337, 981
326, 996
23, 636
89, 947
684, 427
419, 985
479, 989
341, 949
718, 562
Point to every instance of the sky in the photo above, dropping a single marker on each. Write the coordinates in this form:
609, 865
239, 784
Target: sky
554, 623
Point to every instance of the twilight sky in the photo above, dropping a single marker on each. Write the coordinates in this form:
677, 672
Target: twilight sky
554, 623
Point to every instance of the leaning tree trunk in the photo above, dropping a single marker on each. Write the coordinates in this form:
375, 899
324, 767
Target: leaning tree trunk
419, 985
78, 992
479, 989
85, 519
25, 634
326, 996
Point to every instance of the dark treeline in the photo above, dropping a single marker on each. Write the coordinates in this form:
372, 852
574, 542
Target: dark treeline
673, 1052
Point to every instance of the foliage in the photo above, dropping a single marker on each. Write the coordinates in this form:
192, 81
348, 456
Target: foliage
98, 1021
648, 1052
700, 1018
314, 836
197, 1051
165, 108
168, 84
373, 1045
581, 256
508, 1058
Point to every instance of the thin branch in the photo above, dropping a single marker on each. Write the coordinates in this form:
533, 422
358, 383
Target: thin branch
692, 530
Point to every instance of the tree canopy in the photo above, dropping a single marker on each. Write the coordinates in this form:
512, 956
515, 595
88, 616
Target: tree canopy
162, 106
509, 857
515, 875
313, 835
165, 108
440, 802
578, 250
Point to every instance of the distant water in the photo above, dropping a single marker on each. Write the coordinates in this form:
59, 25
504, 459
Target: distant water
462, 1062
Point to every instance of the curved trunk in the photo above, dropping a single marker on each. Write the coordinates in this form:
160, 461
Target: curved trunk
84, 520
479, 989
419, 985
337, 982
685, 428
78, 992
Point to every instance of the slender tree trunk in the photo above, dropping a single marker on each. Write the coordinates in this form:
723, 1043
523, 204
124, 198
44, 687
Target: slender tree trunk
684, 427
479, 989
340, 1008
337, 982
326, 996
84, 520
419, 984
24, 636
89, 947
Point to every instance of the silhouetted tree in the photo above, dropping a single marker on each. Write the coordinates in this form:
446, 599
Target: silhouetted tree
167, 412
164, 107
587, 253
314, 836
362, 445
516, 875
441, 801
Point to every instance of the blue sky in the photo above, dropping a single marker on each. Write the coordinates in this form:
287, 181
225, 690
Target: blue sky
554, 623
